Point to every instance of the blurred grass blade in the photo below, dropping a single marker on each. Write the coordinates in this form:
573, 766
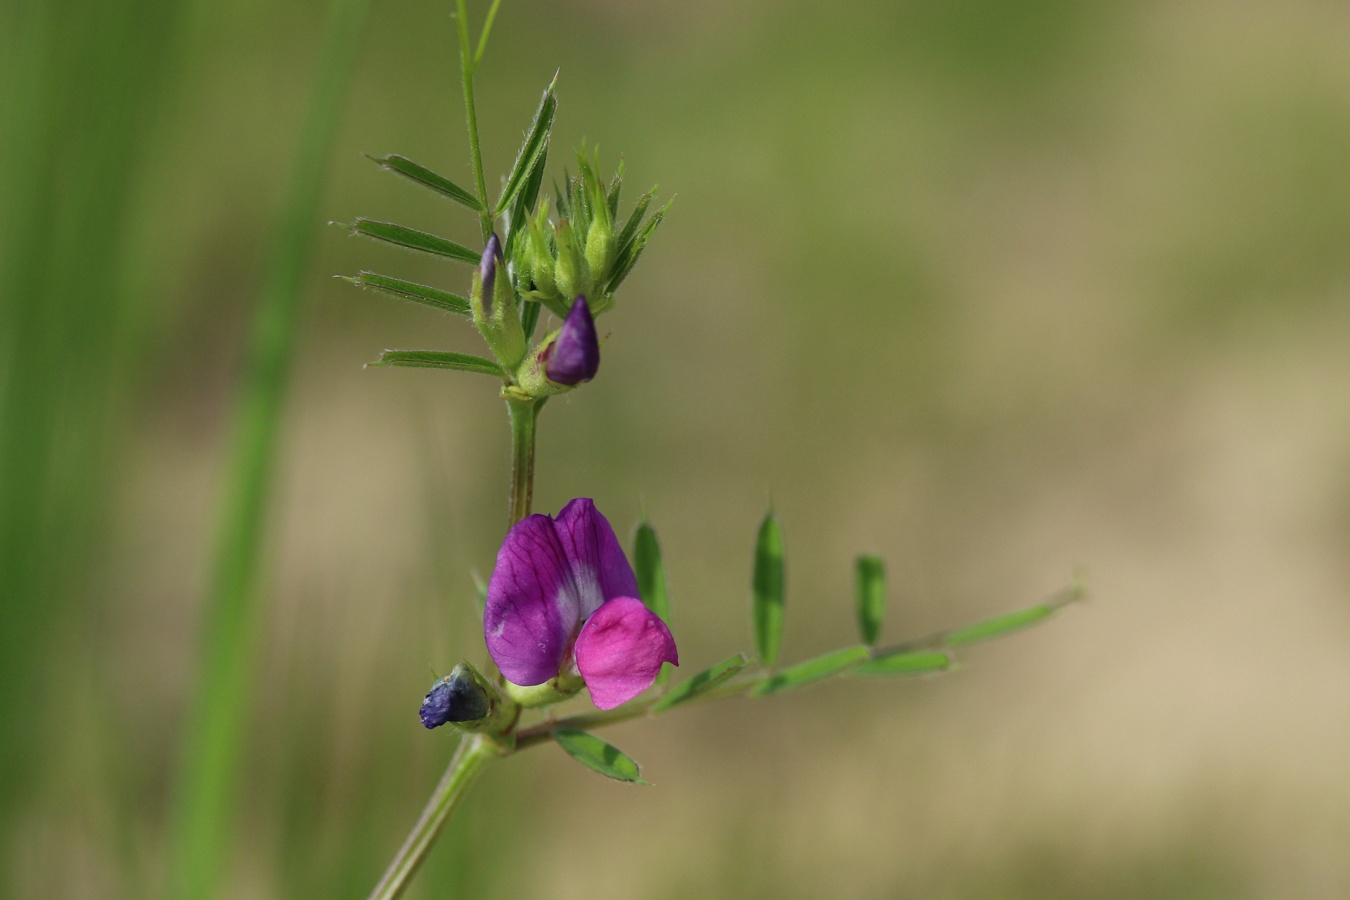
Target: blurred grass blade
651, 579
768, 589
904, 664
437, 359
218, 716
413, 239
871, 578
595, 754
84, 101
411, 290
427, 178
812, 670
702, 682
536, 143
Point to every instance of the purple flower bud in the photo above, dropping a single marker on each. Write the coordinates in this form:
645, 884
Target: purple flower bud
563, 596
575, 356
487, 269
455, 698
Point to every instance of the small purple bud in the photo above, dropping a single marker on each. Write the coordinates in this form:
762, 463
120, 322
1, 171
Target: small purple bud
575, 355
455, 698
487, 270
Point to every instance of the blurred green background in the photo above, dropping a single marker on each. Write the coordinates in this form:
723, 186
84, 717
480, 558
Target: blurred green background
990, 289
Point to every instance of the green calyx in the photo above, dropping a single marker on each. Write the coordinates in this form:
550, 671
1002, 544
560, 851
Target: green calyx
497, 318
530, 377
503, 711
555, 690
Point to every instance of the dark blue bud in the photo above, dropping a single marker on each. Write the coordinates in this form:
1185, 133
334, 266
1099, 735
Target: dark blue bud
455, 698
487, 269
575, 355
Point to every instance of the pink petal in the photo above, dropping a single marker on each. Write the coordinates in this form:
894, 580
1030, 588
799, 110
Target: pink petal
620, 651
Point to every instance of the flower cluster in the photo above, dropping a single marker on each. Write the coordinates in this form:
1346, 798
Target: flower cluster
562, 360
589, 250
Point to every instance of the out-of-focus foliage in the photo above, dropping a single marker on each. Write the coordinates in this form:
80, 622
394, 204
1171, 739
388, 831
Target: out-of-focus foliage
988, 290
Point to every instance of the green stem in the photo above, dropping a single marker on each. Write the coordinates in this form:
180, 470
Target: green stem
474, 752
473, 755
523, 413
543, 731
467, 64
487, 29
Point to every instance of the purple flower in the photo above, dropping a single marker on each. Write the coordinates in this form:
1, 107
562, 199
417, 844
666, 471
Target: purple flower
563, 594
575, 356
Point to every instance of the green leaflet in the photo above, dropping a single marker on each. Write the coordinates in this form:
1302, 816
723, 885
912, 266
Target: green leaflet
529, 318
651, 579
1000, 625
701, 683
871, 595
517, 219
627, 255
437, 359
812, 670
904, 664
595, 754
768, 589
427, 178
414, 240
409, 290
635, 219
536, 144
651, 573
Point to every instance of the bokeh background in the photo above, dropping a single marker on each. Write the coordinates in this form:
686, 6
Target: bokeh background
994, 290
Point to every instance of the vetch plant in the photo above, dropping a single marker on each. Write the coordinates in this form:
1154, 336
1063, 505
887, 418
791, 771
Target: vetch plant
564, 609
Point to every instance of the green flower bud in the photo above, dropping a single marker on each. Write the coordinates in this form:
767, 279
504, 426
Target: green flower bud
540, 255
572, 274
600, 244
493, 303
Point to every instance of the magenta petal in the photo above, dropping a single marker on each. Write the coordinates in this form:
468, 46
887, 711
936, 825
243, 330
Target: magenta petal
601, 570
532, 606
620, 651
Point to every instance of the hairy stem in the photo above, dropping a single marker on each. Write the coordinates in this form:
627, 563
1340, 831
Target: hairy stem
469, 760
523, 413
468, 63
543, 731
474, 751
